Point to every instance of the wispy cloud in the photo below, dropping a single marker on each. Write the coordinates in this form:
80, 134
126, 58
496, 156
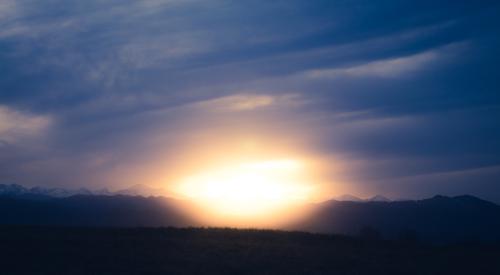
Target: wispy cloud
249, 102
392, 67
386, 68
16, 126
8, 9
238, 102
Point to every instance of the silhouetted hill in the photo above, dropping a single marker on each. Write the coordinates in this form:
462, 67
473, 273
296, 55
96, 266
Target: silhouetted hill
85, 210
347, 197
439, 218
378, 198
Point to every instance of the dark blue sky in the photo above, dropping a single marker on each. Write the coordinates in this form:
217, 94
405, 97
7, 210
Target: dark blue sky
403, 95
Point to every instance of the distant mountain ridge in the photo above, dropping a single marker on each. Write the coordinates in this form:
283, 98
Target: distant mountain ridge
134, 190
348, 197
16, 190
142, 190
440, 218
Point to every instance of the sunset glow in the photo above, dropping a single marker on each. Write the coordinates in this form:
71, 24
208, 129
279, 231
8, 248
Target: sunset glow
249, 190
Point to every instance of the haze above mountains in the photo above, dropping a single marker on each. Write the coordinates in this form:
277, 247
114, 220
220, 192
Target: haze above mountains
143, 190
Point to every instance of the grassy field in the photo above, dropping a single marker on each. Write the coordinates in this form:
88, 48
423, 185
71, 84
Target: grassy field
59, 250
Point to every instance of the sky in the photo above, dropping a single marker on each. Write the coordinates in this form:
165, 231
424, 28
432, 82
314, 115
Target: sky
391, 97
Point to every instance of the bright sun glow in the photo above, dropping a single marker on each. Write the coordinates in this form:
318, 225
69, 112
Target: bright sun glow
249, 189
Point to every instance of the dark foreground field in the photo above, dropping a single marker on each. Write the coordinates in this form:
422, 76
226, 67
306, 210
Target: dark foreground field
57, 250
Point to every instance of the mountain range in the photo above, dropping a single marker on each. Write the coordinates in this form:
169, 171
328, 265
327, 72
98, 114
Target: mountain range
16, 190
348, 197
438, 219
134, 190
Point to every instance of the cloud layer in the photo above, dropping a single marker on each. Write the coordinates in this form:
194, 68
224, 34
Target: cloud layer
393, 90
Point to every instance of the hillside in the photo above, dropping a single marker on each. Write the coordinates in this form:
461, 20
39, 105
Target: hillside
438, 219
